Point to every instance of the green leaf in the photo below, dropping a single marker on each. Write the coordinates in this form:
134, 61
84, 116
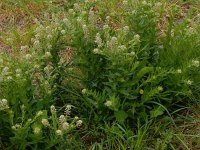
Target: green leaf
121, 116
142, 72
158, 111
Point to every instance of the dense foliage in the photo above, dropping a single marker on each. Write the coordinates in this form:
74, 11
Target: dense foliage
124, 68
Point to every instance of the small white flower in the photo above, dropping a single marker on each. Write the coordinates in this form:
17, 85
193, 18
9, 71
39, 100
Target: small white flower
137, 38
71, 12
91, 17
85, 30
49, 46
195, 63
4, 101
36, 43
69, 107
59, 132
105, 27
179, 71
98, 40
68, 110
144, 2
96, 51
122, 48
9, 78
39, 113
18, 75
67, 22
45, 123
108, 103
36, 67
79, 19
107, 18
46, 69
126, 29
18, 126
65, 126
132, 53
63, 32
158, 4
84, 91
37, 130
24, 48
3, 104
114, 39
53, 109
79, 123
62, 119
5, 71
125, 2
47, 55
70, 69
76, 7
113, 42
189, 82
76, 118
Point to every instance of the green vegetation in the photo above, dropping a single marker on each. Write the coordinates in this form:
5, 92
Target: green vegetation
97, 75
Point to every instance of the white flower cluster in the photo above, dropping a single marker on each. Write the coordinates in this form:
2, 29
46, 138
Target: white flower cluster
84, 91
108, 103
122, 48
17, 126
18, 73
77, 7
45, 34
67, 22
59, 133
45, 123
3, 104
63, 126
53, 109
92, 17
195, 63
189, 82
137, 38
79, 123
96, 51
98, 40
39, 113
126, 29
37, 130
113, 42
5, 71
47, 55
179, 71
85, 30
68, 110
